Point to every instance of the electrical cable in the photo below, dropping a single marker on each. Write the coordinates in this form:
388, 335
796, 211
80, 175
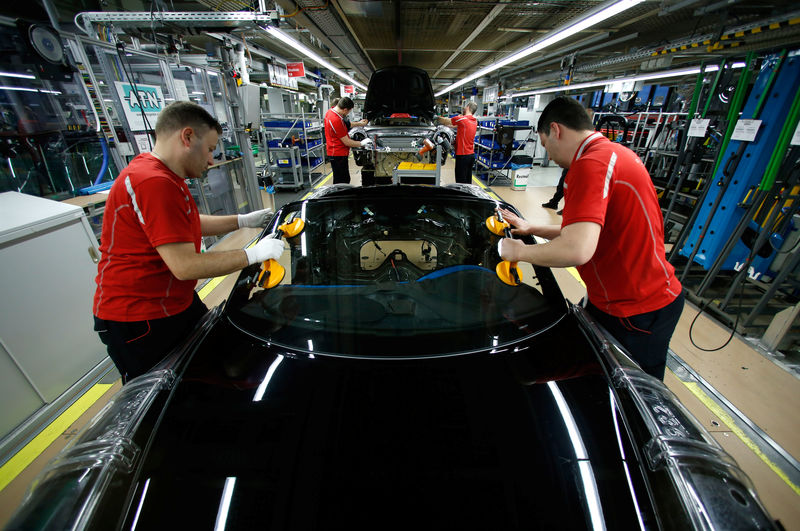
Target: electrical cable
733, 328
129, 73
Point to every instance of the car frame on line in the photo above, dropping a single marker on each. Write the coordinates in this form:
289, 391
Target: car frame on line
387, 371
400, 109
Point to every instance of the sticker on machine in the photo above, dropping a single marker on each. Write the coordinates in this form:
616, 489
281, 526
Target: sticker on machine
698, 127
140, 101
746, 130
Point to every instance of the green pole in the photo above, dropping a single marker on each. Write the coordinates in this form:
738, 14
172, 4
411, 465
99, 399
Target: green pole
713, 89
735, 107
698, 88
781, 145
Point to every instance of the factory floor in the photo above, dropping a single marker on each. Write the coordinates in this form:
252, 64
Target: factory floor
765, 395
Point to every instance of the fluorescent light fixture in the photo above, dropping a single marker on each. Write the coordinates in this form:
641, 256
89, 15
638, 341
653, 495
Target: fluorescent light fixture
643, 77
611, 9
300, 47
225, 504
262, 388
13, 74
197, 92
28, 89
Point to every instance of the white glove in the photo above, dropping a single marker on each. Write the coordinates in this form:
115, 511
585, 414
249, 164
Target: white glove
255, 220
267, 248
366, 143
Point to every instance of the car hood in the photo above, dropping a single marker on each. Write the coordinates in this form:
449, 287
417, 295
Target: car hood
296, 441
399, 89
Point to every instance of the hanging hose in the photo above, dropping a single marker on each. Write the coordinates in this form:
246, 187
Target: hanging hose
104, 165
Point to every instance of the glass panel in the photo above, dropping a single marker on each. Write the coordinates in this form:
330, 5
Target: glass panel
48, 139
389, 275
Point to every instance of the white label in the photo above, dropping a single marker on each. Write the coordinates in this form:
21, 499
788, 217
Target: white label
181, 93
142, 142
146, 99
698, 127
746, 130
796, 137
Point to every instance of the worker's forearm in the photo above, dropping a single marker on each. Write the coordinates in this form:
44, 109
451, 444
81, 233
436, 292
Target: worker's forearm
548, 232
211, 264
349, 142
215, 225
551, 254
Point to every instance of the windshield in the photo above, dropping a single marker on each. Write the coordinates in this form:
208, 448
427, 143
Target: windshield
400, 271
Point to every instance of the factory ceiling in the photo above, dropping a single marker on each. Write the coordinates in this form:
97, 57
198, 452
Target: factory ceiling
452, 39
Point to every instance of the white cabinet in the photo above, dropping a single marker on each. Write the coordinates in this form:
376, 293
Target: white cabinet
47, 341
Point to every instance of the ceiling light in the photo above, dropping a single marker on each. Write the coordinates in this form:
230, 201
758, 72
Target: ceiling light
300, 47
610, 9
643, 77
13, 74
27, 89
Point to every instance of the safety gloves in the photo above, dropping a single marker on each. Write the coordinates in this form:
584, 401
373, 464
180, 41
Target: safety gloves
366, 143
266, 249
255, 220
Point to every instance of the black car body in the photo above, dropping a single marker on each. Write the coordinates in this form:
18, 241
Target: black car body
399, 107
393, 381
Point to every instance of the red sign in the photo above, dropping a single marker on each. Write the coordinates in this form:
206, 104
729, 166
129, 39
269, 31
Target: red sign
296, 69
349, 89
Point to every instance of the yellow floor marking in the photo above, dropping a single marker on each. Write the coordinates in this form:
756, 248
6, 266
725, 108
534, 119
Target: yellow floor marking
487, 190
574, 273
39, 444
206, 290
695, 389
323, 181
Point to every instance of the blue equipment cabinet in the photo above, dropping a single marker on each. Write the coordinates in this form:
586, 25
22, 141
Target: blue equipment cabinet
748, 173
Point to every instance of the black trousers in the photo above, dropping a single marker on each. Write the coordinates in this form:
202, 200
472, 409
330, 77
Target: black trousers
646, 336
340, 168
559, 189
464, 164
136, 346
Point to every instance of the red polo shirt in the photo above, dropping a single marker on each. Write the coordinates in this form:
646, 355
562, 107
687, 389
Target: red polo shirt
466, 125
147, 206
629, 274
334, 131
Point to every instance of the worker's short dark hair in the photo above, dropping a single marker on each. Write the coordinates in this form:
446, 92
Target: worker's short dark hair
180, 114
565, 111
471, 106
345, 103
334, 102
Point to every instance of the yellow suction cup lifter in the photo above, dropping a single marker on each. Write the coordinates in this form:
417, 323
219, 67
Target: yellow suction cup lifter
271, 271
293, 228
497, 225
271, 274
506, 271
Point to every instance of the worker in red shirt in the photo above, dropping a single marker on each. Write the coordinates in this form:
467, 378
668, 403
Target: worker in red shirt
466, 125
612, 230
145, 302
338, 143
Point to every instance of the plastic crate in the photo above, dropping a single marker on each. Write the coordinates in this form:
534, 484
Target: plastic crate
518, 123
288, 123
